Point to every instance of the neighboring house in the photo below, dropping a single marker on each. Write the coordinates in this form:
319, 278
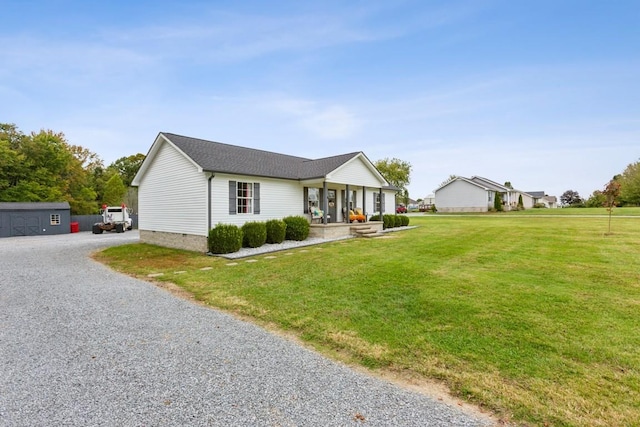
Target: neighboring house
186, 186
539, 197
32, 219
477, 194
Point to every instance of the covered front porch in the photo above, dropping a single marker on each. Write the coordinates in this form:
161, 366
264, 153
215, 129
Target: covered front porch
334, 204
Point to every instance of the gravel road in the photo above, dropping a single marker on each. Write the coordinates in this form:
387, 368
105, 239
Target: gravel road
81, 345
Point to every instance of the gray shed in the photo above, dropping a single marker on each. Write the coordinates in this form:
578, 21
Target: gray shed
33, 219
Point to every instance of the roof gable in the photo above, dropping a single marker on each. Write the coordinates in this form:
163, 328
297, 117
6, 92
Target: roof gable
462, 179
490, 184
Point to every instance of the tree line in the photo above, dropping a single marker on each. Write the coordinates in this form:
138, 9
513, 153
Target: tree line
45, 167
622, 190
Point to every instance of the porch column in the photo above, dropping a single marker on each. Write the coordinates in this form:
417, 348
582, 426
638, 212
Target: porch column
347, 195
325, 202
380, 203
364, 201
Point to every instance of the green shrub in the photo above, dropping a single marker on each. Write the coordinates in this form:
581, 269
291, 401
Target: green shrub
254, 234
276, 231
388, 221
397, 221
297, 228
497, 202
225, 239
374, 218
405, 220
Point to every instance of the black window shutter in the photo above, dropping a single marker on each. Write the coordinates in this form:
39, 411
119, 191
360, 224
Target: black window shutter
233, 191
256, 197
305, 199
384, 198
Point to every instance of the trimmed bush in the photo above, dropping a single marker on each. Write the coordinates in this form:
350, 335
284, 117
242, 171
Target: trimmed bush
276, 231
388, 221
397, 220
297, 228
405, 220
225, 239
374, 218
254, 234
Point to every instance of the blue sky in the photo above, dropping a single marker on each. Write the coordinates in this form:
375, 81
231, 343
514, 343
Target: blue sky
544, 94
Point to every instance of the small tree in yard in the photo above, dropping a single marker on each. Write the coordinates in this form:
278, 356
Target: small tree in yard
611, 192
520, 203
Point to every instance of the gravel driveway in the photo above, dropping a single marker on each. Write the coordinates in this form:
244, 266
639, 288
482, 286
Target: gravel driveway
81, 345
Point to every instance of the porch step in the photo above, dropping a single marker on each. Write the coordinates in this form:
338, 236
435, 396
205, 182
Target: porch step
364, 231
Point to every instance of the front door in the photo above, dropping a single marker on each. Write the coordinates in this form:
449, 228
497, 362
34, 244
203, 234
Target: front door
333, 206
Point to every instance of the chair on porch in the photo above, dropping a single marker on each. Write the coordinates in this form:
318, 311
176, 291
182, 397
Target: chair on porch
357, 216
316, 215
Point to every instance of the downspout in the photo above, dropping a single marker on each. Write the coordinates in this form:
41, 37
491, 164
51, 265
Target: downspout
211, 176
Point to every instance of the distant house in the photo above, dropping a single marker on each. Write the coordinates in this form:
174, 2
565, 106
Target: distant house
186, 186
33, 219
477, 194
540, 198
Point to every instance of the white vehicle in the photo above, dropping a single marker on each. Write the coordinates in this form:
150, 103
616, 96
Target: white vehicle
116, 218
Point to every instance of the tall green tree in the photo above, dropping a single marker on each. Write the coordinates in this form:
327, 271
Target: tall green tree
630, 184
397, 173
43, 167
596, 200
114, 191
571, 198
127, 167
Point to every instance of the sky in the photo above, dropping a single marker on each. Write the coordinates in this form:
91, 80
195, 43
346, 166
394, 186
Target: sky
543, 94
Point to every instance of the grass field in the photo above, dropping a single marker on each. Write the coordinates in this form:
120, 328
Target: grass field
535, 319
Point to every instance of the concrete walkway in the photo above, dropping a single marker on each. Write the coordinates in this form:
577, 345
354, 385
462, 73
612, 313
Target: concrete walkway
81, 345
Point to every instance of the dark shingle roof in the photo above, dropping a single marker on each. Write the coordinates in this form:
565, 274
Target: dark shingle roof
536, 194
29, 206
224, 158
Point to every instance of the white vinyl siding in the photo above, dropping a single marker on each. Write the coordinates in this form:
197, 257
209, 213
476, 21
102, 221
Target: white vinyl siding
278, 198
354, 173
461, 196
173, 195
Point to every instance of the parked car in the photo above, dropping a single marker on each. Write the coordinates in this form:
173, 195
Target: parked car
400, 209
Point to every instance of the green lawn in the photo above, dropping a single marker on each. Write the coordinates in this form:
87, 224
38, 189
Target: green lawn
536, 319
625, 211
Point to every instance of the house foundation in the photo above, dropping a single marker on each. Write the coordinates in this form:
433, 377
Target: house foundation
189, 242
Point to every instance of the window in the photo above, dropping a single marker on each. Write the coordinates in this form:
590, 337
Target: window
244, 198
376, 202
313, 198
55, 219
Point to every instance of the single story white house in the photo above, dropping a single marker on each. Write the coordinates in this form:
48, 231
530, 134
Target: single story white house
477, 194
187, 185
539, 197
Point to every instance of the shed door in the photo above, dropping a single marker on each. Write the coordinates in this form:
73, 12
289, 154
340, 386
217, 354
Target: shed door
25, 225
